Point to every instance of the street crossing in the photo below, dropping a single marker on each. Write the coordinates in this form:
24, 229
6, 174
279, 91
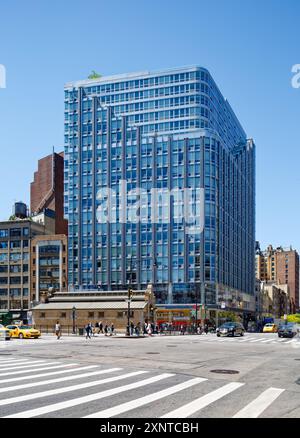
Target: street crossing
250, 339
95, 391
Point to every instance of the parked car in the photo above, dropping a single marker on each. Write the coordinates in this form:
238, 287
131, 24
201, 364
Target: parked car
4, 333
230, 329
23, 331
288, 330
270, 328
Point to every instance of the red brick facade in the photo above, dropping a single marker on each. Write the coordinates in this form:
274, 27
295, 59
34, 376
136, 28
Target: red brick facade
47, 189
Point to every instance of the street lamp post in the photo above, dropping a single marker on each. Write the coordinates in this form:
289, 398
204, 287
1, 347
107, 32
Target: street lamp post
73, 319
130, 293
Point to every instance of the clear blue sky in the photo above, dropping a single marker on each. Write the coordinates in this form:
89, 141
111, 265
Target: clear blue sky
249, 48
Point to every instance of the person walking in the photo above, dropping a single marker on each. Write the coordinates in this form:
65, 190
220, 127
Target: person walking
100, 327
58, 330
138, 329
88, 329
149, 329
112, 330
131, 328
106, 329
206, 329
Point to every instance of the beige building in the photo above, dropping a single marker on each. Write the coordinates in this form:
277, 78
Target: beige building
49, 265
15, 263
276, 300
80, 308
281, 266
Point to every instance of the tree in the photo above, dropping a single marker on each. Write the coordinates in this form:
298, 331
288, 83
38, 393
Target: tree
94, 75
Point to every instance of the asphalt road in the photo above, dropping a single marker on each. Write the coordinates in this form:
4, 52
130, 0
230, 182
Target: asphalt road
162, 376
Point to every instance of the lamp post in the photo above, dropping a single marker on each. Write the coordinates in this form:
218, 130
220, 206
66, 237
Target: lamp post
73, 319
129, 297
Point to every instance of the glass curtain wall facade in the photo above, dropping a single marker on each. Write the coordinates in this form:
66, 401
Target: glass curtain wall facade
169, 131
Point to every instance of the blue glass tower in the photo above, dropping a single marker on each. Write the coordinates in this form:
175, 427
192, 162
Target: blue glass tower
169, 130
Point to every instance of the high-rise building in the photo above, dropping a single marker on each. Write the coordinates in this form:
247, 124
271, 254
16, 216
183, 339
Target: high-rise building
46, 191
280, 265
172, 143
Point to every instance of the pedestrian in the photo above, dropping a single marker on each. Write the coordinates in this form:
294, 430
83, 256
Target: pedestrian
131, 328
206, 329
97, 328
182, 330
138, 329
112, 330
106, 329
88, 331
149, 329
57, 330
145, 328
100, 327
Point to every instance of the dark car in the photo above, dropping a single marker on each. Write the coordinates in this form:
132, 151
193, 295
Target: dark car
231, 329
288, 330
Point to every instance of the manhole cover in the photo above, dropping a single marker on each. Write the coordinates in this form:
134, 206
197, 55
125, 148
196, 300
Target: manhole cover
172, 346
152, 353
224, 371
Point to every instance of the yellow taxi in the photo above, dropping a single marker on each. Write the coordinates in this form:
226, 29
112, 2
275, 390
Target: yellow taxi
270, 328
23, 332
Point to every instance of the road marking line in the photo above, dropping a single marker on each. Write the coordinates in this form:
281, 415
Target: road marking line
60, 379
260, 404
256, 340
36, 376
22, 365
133, 404
196, 405
89, 398
266, 340
12, 372
66, 389
289, 342
12, 361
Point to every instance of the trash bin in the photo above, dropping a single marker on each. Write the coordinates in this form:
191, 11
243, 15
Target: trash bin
80, 331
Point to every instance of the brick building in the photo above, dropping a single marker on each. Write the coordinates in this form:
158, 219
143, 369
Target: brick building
46, 191
282, 266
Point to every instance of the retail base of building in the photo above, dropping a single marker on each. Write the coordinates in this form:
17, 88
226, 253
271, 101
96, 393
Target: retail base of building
76, 309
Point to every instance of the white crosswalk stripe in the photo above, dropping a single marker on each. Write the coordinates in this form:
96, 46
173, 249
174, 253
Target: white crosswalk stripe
54, 382
260, 404
25, 365
68, 388
248, 339
125, 407
12, 361
9, 373
52, 373
89, 398
17, 364
202, 402
58, 380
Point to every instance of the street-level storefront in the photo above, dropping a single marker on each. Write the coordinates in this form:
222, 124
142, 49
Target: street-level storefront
185, 314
